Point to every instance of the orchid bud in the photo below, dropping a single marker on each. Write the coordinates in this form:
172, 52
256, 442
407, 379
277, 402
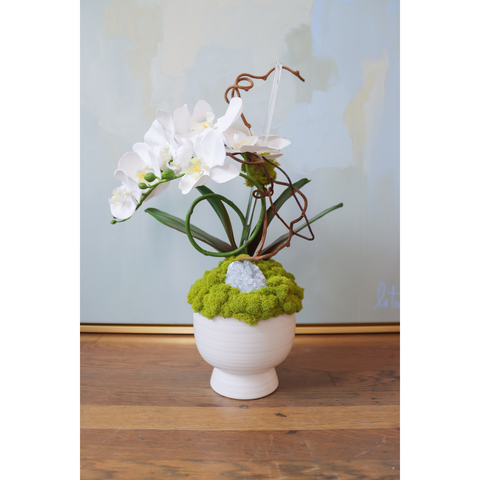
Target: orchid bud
168, 174
113, 222
149, 177
143, 186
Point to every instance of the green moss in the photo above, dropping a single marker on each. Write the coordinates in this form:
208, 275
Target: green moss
258, 173
211, 296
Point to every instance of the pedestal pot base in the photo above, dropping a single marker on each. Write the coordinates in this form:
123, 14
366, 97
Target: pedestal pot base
244, 387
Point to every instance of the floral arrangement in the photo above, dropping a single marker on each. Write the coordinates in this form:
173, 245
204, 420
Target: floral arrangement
191, 149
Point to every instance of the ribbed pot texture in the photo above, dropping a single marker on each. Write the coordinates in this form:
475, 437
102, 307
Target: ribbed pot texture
244, 357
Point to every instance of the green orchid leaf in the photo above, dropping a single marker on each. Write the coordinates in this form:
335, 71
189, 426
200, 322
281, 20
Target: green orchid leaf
179, 225
248, 213
273, 246
222, 214
285, 195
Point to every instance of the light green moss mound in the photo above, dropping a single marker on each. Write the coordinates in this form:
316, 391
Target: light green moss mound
211, 296
258, 173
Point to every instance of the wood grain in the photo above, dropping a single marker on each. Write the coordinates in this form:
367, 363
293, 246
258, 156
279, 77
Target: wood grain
239, 419
148, 412
204, 469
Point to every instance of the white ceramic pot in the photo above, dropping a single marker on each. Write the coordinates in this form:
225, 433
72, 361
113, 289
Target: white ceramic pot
244, 357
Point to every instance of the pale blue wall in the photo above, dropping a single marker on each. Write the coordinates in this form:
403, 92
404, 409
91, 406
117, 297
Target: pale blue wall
343, 122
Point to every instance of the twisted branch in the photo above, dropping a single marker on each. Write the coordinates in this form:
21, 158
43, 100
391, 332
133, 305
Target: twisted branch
268, 192
247, 77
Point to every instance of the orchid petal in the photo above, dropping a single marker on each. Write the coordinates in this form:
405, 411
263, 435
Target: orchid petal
146, 154
242, 128
272, 153
200, 111
258, 148
158, 190
202, 180
232, 114
129, 182
123, 210
188, 182
274, 142
231, 134
211, 148
121, 175
184, 140
167, 122
155, 135
129, 164
182, 119
191, 135
224, 174
184, 155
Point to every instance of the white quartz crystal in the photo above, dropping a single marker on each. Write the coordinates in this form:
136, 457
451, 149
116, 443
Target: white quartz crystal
245, 276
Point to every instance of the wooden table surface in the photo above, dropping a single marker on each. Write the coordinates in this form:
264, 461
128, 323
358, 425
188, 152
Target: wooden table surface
148, 412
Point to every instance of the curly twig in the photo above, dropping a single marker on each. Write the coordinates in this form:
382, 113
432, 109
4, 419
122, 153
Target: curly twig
247, 77
256, 160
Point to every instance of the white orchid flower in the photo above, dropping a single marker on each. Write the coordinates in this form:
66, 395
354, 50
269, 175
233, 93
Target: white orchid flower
191, 125
268, 148
239, 139
182, 157
170, 153
125, 198
138, 163
208, 162
239, 136
161, 139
